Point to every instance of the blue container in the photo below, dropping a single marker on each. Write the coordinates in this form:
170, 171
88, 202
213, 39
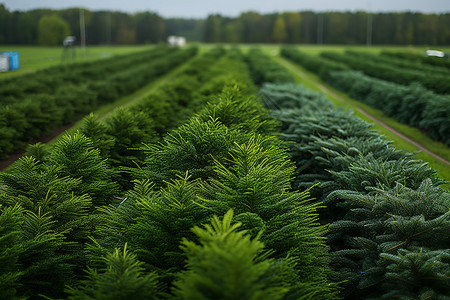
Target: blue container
14, 61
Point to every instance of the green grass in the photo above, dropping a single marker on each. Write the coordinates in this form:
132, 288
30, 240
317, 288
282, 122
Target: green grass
316, 49
311, 81
33, 58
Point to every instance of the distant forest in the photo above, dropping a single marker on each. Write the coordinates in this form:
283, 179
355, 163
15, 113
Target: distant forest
49, 27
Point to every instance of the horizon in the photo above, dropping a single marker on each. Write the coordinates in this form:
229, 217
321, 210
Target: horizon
198, 9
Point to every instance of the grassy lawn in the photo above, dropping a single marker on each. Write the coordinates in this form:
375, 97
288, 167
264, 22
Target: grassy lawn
33, 58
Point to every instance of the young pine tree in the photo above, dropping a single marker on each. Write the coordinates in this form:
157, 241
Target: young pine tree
75, 156
255, 183
38, 188
153, 224
121, 277
393, 243
10, 231
229, 264
96, 131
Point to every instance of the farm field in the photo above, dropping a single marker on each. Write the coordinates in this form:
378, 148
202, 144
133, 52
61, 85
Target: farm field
314, 82
207, 165
34, 58
340, 99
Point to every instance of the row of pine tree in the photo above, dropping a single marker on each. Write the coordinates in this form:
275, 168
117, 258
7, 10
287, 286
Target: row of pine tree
201, 192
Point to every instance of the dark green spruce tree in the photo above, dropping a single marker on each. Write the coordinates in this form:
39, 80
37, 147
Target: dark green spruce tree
388, 216
228, 263
394, 243
121, 277
11, 221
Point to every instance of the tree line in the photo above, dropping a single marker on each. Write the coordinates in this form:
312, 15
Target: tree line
49, 27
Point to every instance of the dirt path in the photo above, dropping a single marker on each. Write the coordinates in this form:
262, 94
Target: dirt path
7, 162
325, 90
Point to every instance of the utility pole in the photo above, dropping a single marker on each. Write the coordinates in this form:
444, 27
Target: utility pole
82, 31
369, 29
369, 26
108, 28
320, 28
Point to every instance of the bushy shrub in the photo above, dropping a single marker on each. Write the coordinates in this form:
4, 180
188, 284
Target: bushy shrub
428, 60
433, 81
397, 243
318, 65
263, 69
121, 277
229, 264
412, 105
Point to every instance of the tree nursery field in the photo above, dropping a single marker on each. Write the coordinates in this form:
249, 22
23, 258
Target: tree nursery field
227, 180
33, 58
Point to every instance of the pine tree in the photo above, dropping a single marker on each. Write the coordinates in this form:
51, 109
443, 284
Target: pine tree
228, 264
208, 136
192, 147
394, 239
256, 185
55, 223
358, 173
153, 224
96, 131
75, 156
47, 260
38, 188
38, 151
419, 274
129, 129
10, 231
122, 277
238, 111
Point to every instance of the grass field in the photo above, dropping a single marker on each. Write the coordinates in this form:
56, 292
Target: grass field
316, 49
35, 58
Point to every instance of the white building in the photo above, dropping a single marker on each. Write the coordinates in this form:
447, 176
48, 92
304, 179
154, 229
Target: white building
176, 41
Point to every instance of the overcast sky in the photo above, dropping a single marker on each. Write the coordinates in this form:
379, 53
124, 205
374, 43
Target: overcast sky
201, 8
